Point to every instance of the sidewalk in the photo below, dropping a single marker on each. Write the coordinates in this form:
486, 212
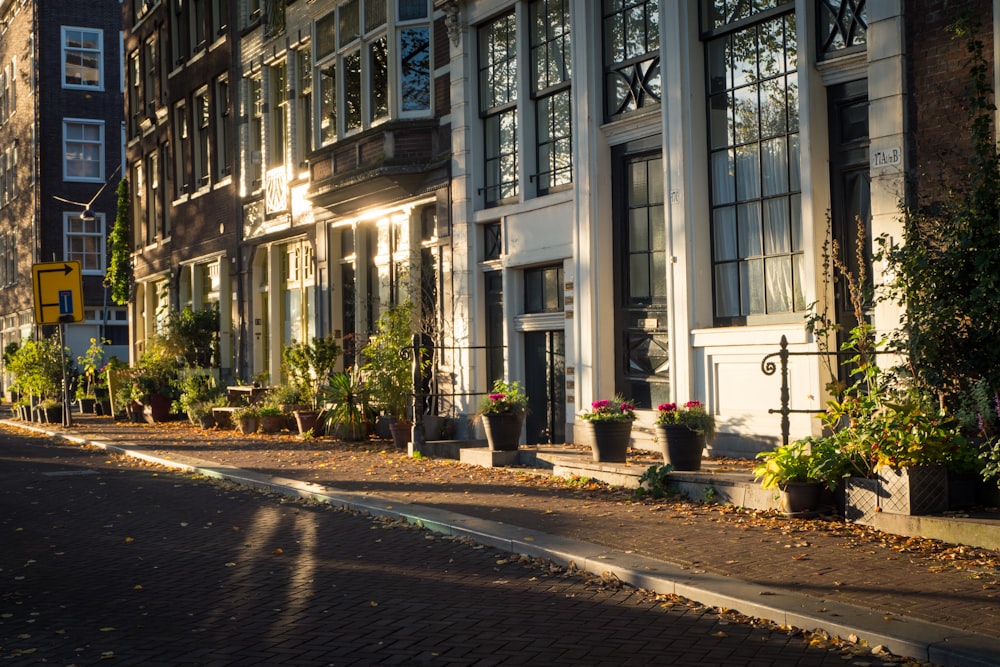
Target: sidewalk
932, 601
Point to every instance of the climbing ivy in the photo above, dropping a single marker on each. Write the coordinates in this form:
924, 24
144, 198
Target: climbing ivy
119, 274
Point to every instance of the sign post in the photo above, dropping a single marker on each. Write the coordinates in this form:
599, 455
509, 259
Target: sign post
58, 288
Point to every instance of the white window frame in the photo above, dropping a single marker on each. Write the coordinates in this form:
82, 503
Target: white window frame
391, 30
98, 233
201, 128
67, 122
8, 258
99, 52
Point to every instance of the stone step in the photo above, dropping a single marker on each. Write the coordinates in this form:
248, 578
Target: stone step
716, 482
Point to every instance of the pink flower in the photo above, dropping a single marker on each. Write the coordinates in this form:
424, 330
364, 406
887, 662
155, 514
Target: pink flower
693, 404
600, 405
667, 407
497, 397
626, 407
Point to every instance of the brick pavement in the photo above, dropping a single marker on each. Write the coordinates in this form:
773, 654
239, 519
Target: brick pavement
107, 562
895, 578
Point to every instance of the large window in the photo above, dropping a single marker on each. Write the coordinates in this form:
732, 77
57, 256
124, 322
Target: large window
843, 26
757, 250
150, 65
8, 258
255, 102
85, 241
304, 129
135, 109
83, 150
8, 91
278, 105
202, 137
361, 49
181, 149
632, 55
550, 59
223, 149
498, 107
8, 175
82, 56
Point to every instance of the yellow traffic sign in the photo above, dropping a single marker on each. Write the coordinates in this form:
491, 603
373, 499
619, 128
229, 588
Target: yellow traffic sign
58, 292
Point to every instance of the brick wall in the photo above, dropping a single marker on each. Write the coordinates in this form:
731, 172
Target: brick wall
938, 80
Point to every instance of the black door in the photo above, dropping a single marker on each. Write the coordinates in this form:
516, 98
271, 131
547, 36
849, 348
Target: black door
545, 384
640, 327
850, 192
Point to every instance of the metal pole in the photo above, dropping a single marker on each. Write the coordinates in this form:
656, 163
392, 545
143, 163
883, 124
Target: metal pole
67, 419
417, 439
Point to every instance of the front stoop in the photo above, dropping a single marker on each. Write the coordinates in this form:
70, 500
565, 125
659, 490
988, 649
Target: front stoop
488, 458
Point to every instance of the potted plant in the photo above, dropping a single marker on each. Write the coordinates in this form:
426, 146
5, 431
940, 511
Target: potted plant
37, 367
89, 364
502, 413
198, 395
247, 419
799, 471
608, 427
309, 367
346, 414
388, 369
682, 433
272, 419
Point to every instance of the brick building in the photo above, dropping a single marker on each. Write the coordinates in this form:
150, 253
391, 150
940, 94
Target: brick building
180, 145
60, 154
628, 196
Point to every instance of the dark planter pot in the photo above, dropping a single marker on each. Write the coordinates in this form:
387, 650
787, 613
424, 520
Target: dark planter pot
963, 489
103, 408
307, 420
53, 415
609, 441
157, 408
206, 421
503, 430
913, 490
351, 432
248, 425
433, 425
801, 498
87, 405
272, 423
400, 431
682, 448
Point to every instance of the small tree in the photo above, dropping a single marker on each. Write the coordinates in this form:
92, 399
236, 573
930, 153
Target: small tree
310, 366
388, 369
195, 334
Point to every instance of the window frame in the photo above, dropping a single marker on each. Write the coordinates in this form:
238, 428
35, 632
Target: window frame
746, 213
201, 134
101, 144
637, 71
101, 252
65, 51
553, 176
349, 58
495, 113
222, 101
8, 258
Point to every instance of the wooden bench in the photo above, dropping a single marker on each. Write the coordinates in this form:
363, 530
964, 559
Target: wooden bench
224, 416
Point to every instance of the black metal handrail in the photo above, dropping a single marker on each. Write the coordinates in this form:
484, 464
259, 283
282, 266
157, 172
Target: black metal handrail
768, 367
